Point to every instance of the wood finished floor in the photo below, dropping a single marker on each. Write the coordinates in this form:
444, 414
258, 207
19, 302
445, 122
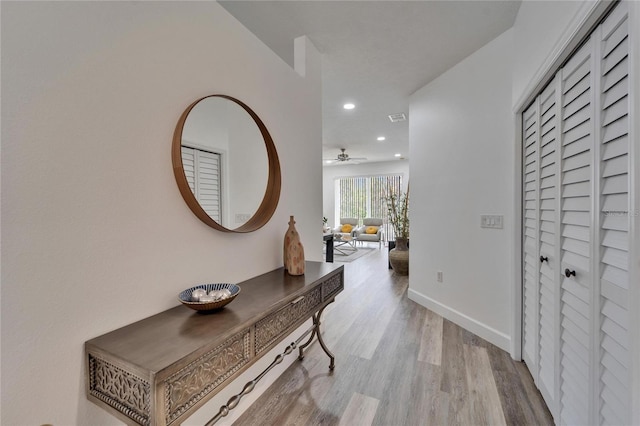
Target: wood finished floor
397, 363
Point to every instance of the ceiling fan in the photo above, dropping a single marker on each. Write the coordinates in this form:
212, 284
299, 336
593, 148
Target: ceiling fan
343, 156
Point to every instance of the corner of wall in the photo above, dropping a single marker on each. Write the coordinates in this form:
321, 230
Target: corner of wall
461, 138
306, 56
501, 340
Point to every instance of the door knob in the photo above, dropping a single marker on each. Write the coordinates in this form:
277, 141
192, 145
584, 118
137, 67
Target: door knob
568, 273
543, 258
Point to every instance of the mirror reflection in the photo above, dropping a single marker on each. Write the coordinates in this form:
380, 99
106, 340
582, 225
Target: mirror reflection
224, 158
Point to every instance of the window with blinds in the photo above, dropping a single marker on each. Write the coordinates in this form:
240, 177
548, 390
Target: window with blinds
202, 169
363, 196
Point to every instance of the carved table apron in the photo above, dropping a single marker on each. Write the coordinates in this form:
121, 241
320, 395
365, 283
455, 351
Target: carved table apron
161, 369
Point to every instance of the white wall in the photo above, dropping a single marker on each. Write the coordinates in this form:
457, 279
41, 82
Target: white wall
331, 173
461, 153
208, 123
95, 232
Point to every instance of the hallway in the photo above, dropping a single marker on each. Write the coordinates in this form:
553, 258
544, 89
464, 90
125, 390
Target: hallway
397, 363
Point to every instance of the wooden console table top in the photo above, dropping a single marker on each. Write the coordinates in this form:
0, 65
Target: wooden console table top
156, 348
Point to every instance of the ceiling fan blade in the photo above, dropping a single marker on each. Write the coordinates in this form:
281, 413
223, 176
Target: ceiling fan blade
343, 157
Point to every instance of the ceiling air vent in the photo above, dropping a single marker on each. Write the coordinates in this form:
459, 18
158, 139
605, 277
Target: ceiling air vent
395, 118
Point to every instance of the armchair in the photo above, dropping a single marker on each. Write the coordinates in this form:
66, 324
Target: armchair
373, 224
346, 221
344, 241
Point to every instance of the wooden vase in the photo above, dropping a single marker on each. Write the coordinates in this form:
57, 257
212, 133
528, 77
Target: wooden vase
399, 257
293, 250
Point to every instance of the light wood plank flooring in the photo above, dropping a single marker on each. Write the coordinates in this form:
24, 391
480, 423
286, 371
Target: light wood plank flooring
397, 363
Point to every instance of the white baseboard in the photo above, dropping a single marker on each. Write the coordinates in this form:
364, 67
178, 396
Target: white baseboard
501, 340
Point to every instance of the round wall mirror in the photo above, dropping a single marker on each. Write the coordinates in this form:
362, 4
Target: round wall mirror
226, 164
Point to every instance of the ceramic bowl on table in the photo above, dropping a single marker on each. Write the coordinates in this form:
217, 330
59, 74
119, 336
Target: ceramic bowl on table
190, 298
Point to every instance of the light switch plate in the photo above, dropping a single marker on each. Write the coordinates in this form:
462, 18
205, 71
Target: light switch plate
491, 221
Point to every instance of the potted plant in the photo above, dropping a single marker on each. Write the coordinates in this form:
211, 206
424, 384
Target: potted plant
398, 216
325, 228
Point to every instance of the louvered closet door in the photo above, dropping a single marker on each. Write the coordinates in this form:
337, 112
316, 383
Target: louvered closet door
548, 234
575, 211
576, 328
530, 238
614, 359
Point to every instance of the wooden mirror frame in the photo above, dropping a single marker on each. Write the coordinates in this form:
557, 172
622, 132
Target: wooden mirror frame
272, 192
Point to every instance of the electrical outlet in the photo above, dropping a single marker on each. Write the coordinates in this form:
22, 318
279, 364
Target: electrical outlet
439, 275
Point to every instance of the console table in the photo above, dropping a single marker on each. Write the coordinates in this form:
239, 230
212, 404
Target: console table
328, 240
161, 369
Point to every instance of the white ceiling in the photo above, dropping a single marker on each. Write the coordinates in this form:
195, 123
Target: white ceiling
375, 55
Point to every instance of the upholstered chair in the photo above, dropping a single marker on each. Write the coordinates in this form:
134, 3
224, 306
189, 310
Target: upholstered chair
371, 231
340, 230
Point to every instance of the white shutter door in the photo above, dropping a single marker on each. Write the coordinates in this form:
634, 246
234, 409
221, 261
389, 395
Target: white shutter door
208, 179
614, 359
202, 170
576, 189
530, 238
189, 166
577, 339
548, 260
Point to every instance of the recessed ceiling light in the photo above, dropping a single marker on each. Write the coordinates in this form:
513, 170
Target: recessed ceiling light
348, 106
329, 161
398, 155
381, 138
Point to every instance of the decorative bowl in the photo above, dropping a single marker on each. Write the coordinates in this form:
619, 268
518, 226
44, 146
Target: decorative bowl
185, 296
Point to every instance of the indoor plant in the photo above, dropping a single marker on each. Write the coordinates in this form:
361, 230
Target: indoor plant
398, 215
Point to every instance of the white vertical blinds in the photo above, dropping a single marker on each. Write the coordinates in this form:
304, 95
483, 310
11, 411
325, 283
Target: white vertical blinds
576, 243
202, 169
363, 196
614, 221
353, 197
